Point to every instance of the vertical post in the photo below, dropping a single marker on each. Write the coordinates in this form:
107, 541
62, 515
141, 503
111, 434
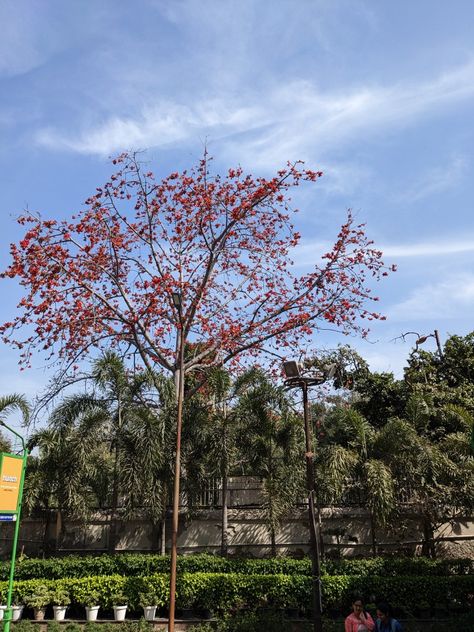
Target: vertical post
313, 529
438, 344
8, 611
177, 474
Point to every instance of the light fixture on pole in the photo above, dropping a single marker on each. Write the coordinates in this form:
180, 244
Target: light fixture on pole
435, 335
176, 298
295, 379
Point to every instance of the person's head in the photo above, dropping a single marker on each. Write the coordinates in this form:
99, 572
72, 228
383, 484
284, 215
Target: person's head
357, 604
383, 612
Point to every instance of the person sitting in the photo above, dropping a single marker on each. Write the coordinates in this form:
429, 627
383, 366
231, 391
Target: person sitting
385, 622
358, 620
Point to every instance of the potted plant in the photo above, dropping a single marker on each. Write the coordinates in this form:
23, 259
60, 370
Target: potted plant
3, 601
36, 595
119, 603
85, 594
186, 598
149, 601
60, 598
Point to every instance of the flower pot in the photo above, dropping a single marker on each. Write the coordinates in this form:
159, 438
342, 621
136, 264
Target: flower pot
149, 612
59, 613
120, 612
17, 612
39, 613
187, 613
92, 612
2, 612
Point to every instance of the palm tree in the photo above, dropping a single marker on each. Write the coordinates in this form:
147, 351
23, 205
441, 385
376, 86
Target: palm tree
86, 451
348, 462
273, 447
10, 403
147, 459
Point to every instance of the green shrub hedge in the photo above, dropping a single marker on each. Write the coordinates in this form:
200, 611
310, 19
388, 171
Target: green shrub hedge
227, 592
134, 564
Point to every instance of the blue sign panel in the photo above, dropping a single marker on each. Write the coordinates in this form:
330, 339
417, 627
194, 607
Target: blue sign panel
7, 517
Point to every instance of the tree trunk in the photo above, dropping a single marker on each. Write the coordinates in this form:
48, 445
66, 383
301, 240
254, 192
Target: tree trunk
273, 541
113, 509
320, 530
428, 547
225, 517
373, 534
163, 524
115, 485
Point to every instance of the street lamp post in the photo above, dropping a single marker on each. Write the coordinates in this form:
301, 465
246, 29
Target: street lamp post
177, 302
294, 379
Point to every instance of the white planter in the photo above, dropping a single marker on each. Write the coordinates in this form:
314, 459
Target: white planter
2, 611
92, 612
17, 612
120, 612
59, 613
149, 612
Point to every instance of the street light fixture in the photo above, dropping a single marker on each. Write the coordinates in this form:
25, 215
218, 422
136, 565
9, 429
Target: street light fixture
435, 335
295, 379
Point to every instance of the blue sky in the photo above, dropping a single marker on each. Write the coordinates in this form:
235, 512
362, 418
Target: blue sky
379, 95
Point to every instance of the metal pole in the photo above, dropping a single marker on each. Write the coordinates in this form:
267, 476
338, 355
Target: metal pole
177, 475
313, 528
8, 611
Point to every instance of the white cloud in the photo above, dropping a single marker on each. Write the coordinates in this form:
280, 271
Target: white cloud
157, 126
292, 120
448, 298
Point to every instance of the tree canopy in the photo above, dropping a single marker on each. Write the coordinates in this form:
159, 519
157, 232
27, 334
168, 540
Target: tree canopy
105, 278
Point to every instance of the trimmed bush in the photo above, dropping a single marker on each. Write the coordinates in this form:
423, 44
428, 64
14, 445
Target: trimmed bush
135, 564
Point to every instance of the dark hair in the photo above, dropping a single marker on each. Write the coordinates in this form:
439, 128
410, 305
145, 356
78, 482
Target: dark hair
357, 597
385, 608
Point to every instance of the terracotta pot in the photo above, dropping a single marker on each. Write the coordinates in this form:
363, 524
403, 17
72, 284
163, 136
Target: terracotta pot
39, 613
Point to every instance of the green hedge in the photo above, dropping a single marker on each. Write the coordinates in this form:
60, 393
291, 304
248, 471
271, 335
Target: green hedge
129, 564
226, 592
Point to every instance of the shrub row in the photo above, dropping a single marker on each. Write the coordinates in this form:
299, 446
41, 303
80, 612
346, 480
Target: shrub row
223, 593
146, 564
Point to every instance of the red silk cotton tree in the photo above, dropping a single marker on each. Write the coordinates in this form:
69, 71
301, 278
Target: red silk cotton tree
220, 245
106, 277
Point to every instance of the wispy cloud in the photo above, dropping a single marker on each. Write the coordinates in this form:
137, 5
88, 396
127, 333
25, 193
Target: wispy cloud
305, 254
430, 249
449, 298
294, 120
436, 180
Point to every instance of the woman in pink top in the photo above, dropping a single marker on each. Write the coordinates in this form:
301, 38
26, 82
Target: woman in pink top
358, 620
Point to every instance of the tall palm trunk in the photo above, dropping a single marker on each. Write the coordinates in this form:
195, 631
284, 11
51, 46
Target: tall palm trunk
225, 517
224, 474
163, 523
113, 532
428, 547
373, 535
114, 505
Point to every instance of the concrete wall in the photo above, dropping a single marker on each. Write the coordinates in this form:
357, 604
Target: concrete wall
346, 532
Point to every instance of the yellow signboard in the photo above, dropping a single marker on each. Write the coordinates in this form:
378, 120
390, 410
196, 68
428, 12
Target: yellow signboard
10, 478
